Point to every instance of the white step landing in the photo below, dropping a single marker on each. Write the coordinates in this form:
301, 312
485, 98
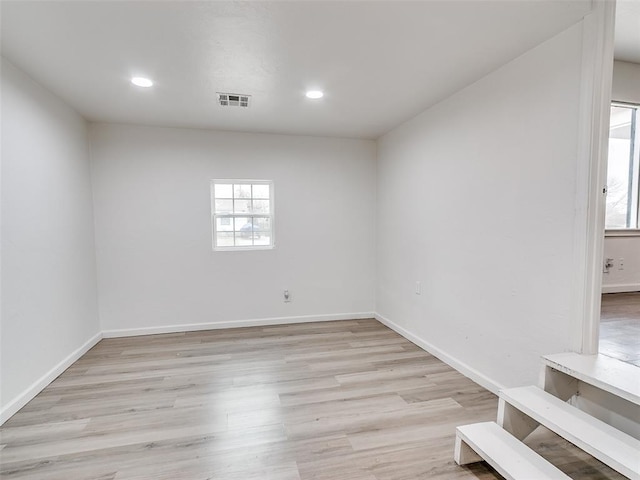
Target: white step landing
609, 445
608, 374
510, 457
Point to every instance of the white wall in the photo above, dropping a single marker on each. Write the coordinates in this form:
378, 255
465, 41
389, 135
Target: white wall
484, 185
156, 267
624, 275
626, 82
49, 298
626, 88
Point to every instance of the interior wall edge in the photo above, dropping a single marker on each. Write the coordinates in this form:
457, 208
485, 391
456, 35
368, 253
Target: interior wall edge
255, 322
27, 395
468, 371
591, 174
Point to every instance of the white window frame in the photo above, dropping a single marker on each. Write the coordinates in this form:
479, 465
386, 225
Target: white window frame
634, 165
232, 216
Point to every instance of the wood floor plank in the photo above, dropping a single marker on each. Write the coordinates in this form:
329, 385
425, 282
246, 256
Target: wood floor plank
348, 400
620, 327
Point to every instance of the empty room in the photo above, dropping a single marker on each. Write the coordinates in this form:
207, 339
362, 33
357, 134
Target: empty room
295, 240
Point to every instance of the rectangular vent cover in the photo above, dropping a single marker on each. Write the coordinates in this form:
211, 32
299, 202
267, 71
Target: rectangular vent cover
233, 100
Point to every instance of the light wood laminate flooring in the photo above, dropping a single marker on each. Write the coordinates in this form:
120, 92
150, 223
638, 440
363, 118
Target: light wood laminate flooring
620, 326
348, 400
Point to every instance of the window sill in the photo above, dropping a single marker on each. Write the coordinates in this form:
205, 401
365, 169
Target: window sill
628, 232
243, 249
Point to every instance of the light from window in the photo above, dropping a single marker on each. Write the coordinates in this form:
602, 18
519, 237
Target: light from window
623, 168
242, 214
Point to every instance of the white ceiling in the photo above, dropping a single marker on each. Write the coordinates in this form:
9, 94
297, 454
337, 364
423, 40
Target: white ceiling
380, 63
628, 31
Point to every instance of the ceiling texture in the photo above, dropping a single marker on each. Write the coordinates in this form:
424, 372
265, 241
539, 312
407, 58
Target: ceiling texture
379, 62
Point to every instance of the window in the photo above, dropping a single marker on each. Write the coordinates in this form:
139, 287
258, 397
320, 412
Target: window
623, 168
242, 214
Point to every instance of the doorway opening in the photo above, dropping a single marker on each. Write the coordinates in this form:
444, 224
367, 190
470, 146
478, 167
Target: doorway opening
619, 332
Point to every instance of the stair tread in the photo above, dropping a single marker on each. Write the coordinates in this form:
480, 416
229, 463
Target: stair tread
611, 446
620, 378
510, 457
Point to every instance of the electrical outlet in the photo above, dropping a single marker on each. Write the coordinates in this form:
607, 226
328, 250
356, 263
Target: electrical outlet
608, 263
418, 288
287, 296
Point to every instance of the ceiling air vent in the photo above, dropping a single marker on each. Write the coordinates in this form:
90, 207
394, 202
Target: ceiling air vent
233, 100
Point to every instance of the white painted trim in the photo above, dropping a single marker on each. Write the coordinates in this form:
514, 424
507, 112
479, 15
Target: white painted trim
629, 232
192, 327
595, 100
468, 371
39, 385
621, 288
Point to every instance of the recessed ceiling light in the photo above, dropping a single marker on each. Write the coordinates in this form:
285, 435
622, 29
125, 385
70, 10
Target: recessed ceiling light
142, 82
315, 94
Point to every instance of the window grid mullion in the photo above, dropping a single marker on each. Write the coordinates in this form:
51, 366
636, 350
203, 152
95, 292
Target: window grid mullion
630, 182
635, 169
233, 202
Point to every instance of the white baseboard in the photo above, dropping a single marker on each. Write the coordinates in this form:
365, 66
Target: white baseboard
191, 327
621, 288
26, 396
460, 366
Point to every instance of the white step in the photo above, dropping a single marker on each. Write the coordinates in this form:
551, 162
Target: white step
609, 445
611, 375
510, 457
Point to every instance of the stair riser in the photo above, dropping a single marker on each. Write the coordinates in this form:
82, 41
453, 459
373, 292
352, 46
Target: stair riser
599, 440
511, 458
